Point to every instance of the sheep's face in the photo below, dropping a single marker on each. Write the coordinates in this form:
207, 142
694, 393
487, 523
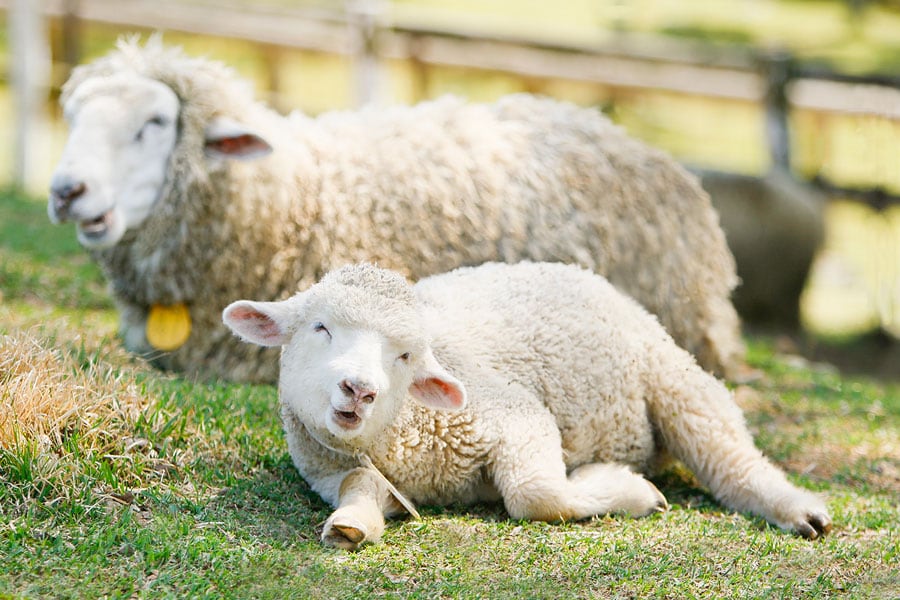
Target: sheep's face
115, 165
347, 383
350, 359
123, 130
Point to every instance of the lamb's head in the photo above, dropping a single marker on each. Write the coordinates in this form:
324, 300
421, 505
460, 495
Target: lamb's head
124, 127
354, 348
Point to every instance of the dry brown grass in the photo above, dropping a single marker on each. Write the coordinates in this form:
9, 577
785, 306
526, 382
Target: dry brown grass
75, 418
50, 390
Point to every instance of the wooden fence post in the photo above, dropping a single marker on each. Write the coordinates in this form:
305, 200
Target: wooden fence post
71, 35
419, 71
30, 73
778, 73
363, 17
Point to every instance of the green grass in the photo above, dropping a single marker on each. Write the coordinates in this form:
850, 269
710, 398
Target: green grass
45, 265
196, 496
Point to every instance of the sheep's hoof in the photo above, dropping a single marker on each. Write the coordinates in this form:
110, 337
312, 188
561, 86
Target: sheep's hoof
660, 504
813, 525
344, 533
649, 501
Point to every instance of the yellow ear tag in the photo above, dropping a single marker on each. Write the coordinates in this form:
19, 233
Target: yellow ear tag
168, 327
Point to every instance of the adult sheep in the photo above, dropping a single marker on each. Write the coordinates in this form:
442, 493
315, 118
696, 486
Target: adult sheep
548, 370
180, 230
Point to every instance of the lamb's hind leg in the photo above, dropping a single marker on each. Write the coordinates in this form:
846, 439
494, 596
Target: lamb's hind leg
701, 425
530, 474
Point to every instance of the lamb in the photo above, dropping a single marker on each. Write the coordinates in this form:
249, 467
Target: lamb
536, 383
181, 228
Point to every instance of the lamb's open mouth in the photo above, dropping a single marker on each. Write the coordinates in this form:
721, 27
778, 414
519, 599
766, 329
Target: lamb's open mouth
347, 419
96, 227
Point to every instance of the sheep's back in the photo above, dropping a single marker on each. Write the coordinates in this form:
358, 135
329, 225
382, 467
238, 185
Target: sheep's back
426, 189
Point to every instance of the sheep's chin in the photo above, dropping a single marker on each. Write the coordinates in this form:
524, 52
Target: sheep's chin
101, 232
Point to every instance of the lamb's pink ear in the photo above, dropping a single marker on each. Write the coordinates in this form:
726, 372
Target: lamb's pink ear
226, 138
434, 387
261, 323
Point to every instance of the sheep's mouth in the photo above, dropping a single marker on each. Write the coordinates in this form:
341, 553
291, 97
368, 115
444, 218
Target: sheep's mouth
347, 419
98, 227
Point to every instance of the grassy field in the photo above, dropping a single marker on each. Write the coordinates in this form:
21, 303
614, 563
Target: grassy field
119, 481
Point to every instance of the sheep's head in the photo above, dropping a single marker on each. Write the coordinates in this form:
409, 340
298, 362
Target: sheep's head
354, 347
124, 127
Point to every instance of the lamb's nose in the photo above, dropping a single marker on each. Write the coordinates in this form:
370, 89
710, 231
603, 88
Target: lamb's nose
359, 391
65, 193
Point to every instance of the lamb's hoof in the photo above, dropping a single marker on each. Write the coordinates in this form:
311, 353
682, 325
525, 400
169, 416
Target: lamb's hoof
344, 533
661, 505
651, 503
813, 525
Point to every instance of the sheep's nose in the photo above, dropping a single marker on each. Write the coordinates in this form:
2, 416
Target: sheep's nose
359, 391
65, 193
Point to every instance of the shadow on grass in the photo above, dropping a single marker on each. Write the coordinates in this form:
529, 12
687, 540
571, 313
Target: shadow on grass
876, 354
277, 506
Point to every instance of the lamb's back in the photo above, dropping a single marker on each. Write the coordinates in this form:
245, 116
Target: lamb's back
579, 347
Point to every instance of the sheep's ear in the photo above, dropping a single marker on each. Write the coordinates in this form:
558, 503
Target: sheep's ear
434, 387
261, 323
226, 138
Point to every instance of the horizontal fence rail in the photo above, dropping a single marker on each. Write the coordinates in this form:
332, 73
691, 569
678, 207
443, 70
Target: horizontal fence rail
631, 62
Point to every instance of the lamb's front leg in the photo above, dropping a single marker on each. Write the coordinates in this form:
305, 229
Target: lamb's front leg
363, 502
529, 471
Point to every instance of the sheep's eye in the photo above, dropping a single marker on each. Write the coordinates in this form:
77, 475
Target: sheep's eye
320, 327
404, 357
156, 120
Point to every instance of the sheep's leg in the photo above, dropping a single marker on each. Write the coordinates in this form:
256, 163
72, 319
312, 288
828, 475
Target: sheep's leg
701, 425
363, 502
132, 328
529, 472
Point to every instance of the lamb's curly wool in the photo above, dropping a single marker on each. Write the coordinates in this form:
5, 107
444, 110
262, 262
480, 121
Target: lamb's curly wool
570, 384
420, 189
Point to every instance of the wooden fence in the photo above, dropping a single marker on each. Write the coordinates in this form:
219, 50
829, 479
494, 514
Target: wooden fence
360, 30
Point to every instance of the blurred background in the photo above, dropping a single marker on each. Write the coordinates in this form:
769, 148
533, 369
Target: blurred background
788, 109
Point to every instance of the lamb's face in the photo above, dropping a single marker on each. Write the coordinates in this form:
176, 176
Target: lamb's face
346, 383
353, 350
123, 129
